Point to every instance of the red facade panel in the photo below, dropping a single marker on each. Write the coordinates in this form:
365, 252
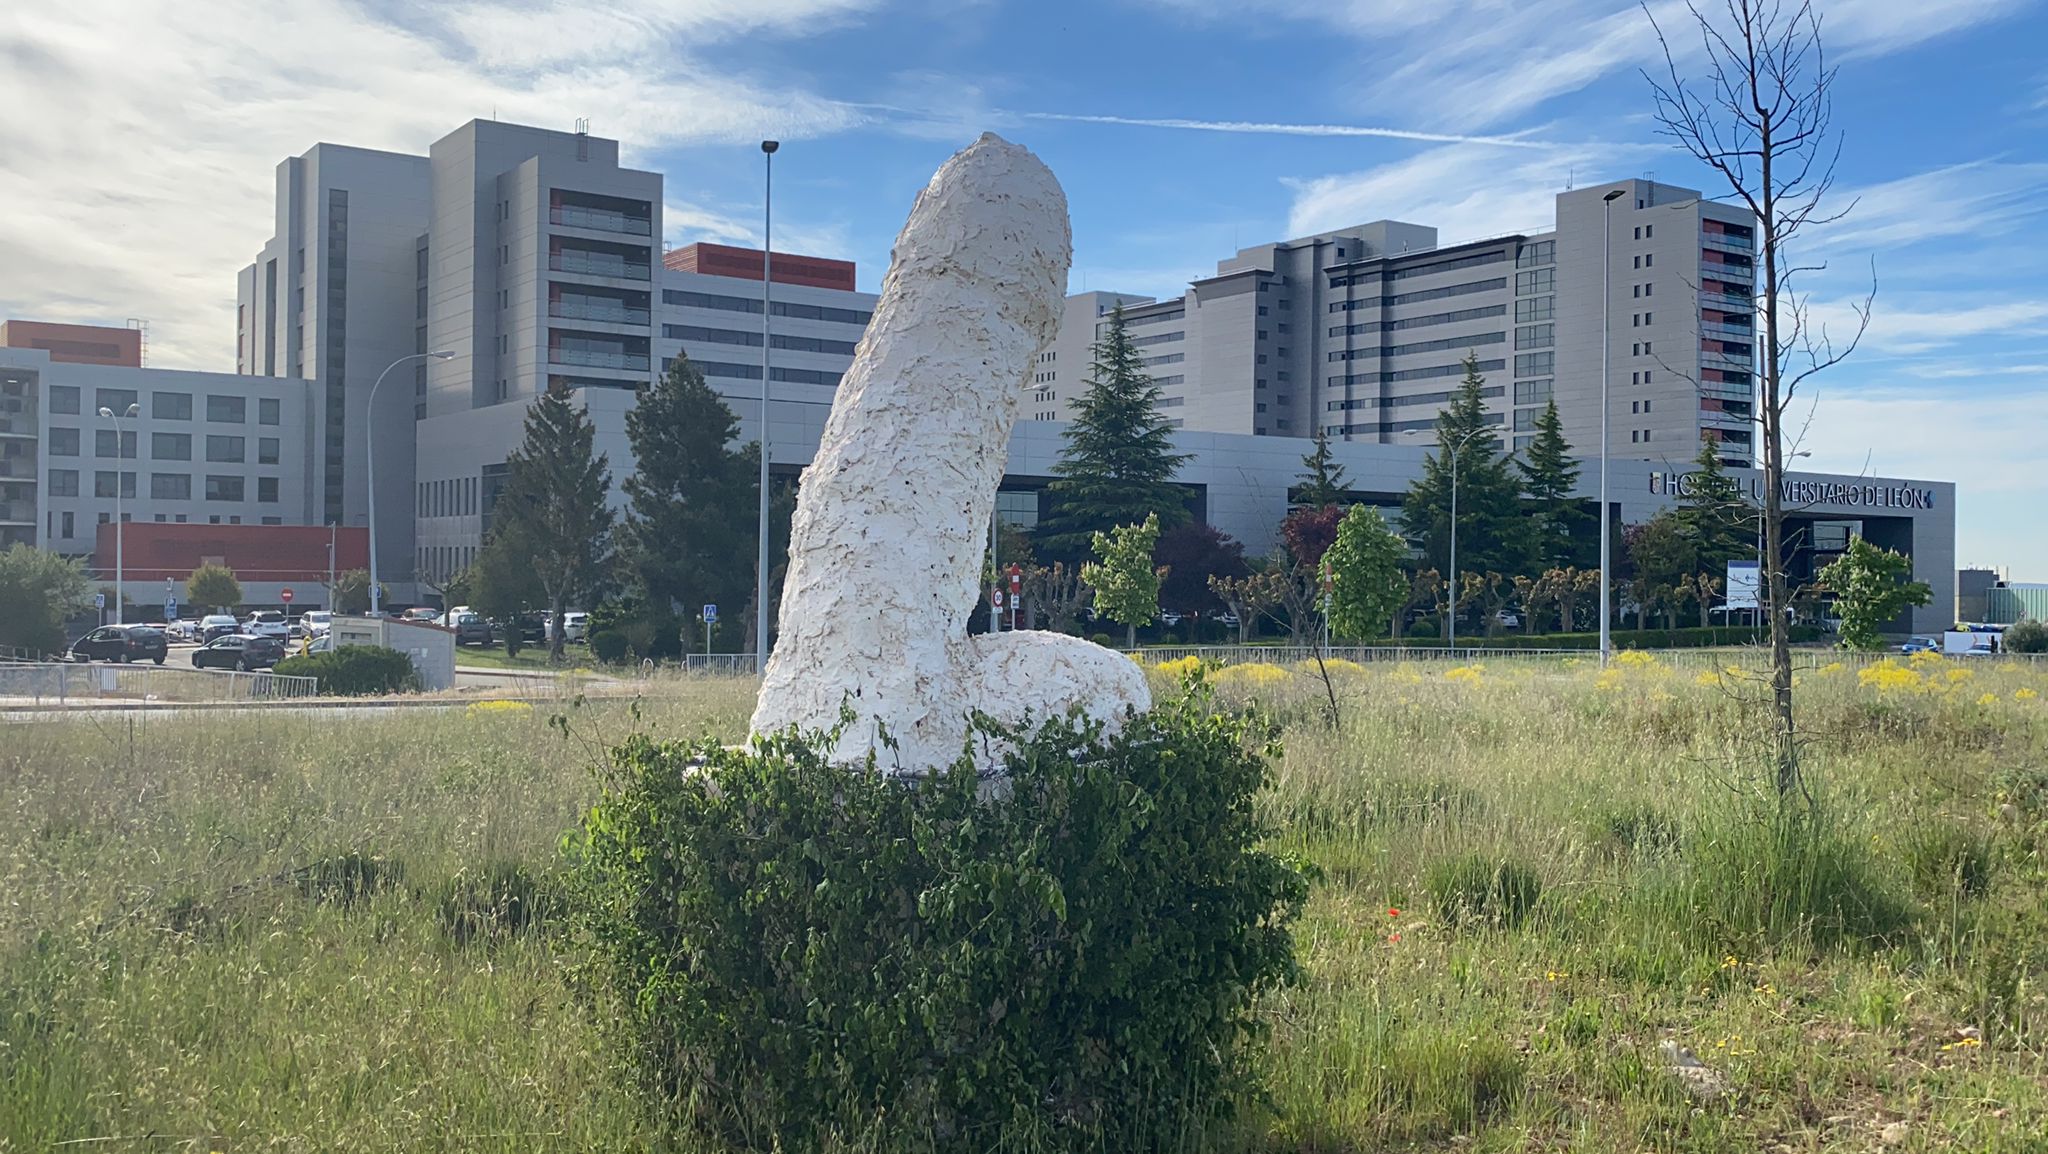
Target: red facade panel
153, 551
75, 344
745, 264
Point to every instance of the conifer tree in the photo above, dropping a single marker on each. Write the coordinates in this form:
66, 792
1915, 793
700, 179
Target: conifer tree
554, 502
1713, 512
1492, 533
1118, 464
1322, 482
1557, 519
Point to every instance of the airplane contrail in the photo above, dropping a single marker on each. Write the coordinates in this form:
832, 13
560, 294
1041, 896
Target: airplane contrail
1269, 129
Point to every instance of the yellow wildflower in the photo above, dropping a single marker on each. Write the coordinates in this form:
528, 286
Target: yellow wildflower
1988, 699
487, 708
2024, 695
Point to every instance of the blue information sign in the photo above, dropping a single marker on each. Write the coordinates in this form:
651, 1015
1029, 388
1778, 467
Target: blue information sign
710, 614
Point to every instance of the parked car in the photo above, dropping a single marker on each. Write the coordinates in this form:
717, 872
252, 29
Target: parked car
533, 627
218, 625
1227, 619
1508, 619
471, 629
266, 623
1920, 645
121, 643
426, 613
1169, 618
180, 630
317, 621
575, 626
239, 651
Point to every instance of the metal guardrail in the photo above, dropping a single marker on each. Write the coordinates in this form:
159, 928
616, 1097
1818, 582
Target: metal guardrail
729, 664
1700, 658
60, 683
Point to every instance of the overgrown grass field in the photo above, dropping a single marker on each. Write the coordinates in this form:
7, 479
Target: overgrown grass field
1542, 887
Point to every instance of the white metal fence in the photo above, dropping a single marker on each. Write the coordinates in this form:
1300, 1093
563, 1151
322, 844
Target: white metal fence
43, 683
1704, 658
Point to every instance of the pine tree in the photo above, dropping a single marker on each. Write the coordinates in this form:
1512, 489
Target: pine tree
554, 502
1118, 464
1557, 519
1322, 484
692, 502
1492, 533
1712, 510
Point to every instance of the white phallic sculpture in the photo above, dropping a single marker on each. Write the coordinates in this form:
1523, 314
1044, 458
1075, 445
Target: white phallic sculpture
892, 517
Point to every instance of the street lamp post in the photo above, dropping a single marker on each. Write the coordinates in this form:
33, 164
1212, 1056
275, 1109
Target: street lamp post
1606, 346
370, 465
110, 415
1452, 449
768, 148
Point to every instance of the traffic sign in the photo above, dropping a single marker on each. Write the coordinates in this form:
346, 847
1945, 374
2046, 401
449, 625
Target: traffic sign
170, 610
99, 601
710, 614
287, 596
999, 598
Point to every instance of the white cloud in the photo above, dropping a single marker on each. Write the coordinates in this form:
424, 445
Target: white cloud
1467, 191
1987, 442
1467, 64
1982, 199
1266, 128
138, 142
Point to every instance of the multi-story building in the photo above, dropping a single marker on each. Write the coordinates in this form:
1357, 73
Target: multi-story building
1361, 333
75, 344
200, 448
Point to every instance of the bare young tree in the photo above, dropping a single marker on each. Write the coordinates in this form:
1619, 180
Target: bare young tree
1761, 115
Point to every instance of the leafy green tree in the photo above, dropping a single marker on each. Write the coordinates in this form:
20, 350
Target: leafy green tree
213, 587
39, 592
691, 512
1193, 554
1713, 512
1872, 586
1322, 481
1118, 464
1125, 580
1558, 520
1492, 532
1662, 555
1366, 580
351, 592
553, 503
502, 584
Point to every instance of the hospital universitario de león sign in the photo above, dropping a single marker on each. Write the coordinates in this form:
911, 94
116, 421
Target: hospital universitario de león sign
1845, 494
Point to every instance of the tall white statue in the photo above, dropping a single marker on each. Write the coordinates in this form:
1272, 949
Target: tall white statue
892, 517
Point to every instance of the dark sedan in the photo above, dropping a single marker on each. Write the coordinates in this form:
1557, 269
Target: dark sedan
239, 651
121, 643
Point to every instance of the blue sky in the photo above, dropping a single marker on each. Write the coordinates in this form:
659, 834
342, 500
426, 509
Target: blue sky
138, 141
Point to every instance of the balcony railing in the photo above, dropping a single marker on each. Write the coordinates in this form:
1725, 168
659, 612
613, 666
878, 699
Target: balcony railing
617, 315
576, 262
600, 220
1739, 363
1723, 418
1721, 390
1712, 329
17, 513
1740, 272
1727, 302
1726, 243
585, 358
17, 470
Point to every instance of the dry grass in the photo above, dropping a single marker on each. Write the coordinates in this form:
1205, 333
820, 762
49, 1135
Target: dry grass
233, 932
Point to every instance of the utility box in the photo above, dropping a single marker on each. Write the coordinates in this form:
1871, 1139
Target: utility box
431, 647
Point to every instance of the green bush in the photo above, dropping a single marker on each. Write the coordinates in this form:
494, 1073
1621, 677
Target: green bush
1476, 888
1101, 639
608, 646
356, 670
2025, 637
796, 952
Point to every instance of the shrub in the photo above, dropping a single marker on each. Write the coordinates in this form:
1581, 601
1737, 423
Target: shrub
798, 951
356, 670
1475, 888
347, 878
2025, 637
1755, 876
608, 646
1101, 639
496, 902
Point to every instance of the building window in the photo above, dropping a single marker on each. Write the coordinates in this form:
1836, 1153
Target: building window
115, 401
64, 399
1542, 252
266, 490
63, 482
233, 450
1649, 289
1535, 281
1532, 392
1525, 420
1534, 309
1535, 364
227, 410
1646, 319
103, 484
170, 486
170, 446
1649, 230
267, 411
106, 444
170, 406
63, 442
1647, 404
1638, 263
1535, 336
220, 488
1649, 258
266, 450
70, 525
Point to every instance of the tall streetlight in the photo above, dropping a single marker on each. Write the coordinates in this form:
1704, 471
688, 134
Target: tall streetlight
768, 148
1606, 346
370, 446
1452, 449
110, 415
